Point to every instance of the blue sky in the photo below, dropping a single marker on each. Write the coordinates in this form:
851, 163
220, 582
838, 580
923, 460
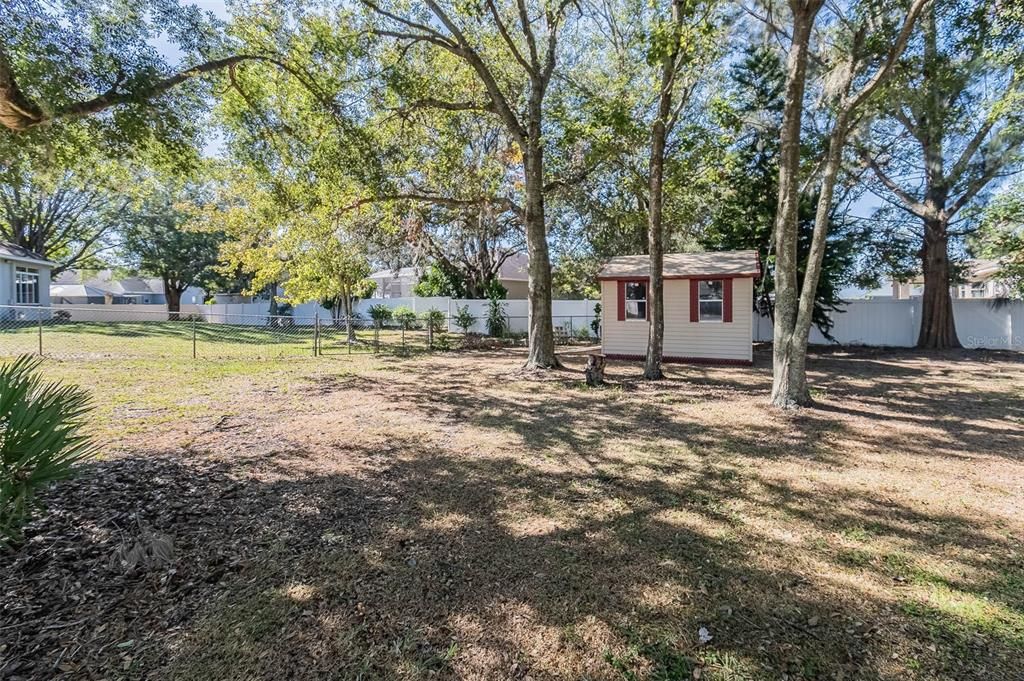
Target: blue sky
171, 52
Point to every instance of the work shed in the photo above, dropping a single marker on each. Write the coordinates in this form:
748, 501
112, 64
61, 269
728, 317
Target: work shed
708, 306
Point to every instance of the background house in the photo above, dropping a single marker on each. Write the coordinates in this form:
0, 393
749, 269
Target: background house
708, 303
396, 283
513, 275
77, 294
103, 288
979, 283
24, 277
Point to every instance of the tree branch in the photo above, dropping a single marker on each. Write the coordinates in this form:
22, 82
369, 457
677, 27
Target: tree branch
438, 200
18, 114
895, 51
431, 103
972, 147
503, 30
911, 204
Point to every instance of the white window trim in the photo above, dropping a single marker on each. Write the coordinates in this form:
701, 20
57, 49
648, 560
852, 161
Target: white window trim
644, 300
33, 273
700, 315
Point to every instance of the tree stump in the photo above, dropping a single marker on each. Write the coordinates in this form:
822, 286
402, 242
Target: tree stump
595, 369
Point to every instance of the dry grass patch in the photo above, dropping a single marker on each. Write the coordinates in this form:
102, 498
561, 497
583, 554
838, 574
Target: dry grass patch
449, 517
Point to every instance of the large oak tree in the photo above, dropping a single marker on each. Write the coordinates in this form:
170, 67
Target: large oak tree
951, 126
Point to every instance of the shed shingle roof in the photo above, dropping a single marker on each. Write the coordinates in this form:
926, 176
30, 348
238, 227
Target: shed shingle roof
682, 265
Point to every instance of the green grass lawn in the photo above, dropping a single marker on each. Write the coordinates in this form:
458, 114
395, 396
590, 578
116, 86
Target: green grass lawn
92, 340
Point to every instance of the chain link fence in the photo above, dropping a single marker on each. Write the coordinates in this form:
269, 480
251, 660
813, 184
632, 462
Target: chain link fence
90, 332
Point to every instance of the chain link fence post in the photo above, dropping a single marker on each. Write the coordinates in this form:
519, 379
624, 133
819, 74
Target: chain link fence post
316, 335
40, 320
193, 337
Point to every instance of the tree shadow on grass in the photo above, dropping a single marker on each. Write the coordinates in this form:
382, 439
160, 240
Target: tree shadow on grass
431, 564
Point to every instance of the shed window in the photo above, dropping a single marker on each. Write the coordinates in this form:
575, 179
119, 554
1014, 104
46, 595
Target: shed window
636, 300
26, 286
711, 297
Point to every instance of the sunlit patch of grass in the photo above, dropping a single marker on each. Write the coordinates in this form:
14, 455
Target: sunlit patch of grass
857, 533
663, 658
853, 557
965, 621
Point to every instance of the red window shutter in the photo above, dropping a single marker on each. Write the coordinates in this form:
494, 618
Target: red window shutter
694, 300
647, 297
727, 300
621, 287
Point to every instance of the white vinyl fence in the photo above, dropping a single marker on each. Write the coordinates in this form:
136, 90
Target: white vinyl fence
565, 314
895, 323
95, 312
877, 322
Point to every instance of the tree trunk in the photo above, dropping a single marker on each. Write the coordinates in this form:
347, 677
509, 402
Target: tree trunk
272, 289
789, 386
796, 351
656, 246
346, 302
594, 371
938, 328
541, 333
173, 295
656, 201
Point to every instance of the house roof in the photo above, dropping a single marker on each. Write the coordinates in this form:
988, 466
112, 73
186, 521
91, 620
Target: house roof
105, 282
400, 273
76, 291
16, 252
981, 270
685, 265
515, 268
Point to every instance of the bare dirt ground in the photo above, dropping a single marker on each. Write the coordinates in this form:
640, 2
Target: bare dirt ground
447, 517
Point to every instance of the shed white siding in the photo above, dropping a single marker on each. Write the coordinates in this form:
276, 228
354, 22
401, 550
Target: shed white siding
732, 341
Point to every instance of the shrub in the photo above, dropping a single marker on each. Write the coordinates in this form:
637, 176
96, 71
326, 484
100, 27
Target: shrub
464, 319
405, 317
595, 323
379, 313
583, 333
434, 320
41, 439
497, 320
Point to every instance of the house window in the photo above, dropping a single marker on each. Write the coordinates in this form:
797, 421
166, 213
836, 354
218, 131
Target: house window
711, 300
636, 300
26, 286
978, 289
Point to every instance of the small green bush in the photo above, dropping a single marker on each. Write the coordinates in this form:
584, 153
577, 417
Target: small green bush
379, 313
464, 319
41, 440
434, 320
405, 317
496, 321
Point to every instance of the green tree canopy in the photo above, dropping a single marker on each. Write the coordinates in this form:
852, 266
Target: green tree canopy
162, 241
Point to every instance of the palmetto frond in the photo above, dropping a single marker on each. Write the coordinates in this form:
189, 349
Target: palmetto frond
41, 439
